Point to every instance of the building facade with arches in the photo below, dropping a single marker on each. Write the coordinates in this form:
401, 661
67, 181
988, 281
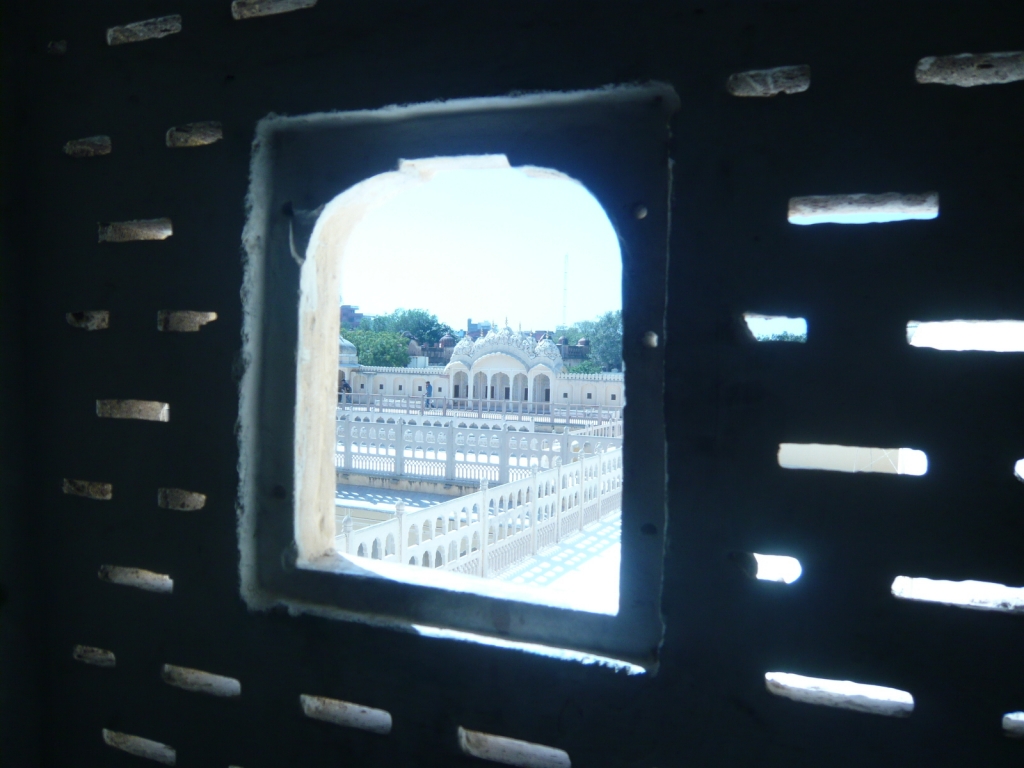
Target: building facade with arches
497, 527
502, 367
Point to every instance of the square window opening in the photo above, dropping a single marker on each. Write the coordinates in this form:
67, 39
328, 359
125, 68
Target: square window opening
530, 479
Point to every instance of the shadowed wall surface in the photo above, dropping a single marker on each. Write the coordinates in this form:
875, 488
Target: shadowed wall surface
864, 125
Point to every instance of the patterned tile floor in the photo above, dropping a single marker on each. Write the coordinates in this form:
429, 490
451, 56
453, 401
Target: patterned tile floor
584, 568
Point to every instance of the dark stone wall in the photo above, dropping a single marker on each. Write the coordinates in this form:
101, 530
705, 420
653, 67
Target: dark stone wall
865, 125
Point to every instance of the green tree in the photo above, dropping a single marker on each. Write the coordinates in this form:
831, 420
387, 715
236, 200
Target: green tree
380, 347
574, 332
424, 326
587, 366
604, 335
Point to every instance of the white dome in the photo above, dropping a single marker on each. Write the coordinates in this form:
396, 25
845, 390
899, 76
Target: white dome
546, 348
464, 347
347, 352
521, 346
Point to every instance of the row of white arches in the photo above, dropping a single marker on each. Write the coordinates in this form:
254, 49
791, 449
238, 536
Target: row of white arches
364, 420
439, 527
408, 422
500, 386
441, 438
496, 533
615, 463
473, 425
472, 457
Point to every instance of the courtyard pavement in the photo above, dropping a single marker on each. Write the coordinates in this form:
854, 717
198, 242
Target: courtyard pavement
584, 568
361, 497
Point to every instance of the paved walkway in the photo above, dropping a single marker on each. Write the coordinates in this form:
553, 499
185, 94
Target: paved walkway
584, 567
362, 497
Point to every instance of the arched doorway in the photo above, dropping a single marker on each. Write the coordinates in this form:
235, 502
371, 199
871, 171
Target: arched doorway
460, 385
541, 388
501, 388
520, 390
480, 386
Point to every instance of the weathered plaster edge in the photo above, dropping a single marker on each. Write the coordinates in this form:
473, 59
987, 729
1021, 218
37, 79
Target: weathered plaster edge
254, 236
516, 100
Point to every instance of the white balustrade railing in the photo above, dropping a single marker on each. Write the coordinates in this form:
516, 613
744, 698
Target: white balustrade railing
457, 448
374, 463
486, 532
609, 429
510, 410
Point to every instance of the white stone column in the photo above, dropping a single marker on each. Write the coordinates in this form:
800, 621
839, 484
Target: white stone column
449, 452
503, 472
400, 544
400, 448
558, 503
534, 486
347, 437
485, 526
580, 487
346, 526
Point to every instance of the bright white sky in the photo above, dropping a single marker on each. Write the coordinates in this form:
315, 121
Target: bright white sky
487, 245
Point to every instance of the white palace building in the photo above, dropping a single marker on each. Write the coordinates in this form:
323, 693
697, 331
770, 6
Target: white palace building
508, 464
504, 370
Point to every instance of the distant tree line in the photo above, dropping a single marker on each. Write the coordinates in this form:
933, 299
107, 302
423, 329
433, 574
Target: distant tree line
379, 339
424, 326
605, 337
380, 347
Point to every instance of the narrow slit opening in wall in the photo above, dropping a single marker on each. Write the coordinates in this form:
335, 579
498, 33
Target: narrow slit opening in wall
781, 568
976, 595
841, 694
1013, 725
501, 749
777, 568
475, 427
852, 458
968, 335
346, 713
776, 327
863, 208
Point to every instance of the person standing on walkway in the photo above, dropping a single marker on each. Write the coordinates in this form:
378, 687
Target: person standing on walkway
430, 391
